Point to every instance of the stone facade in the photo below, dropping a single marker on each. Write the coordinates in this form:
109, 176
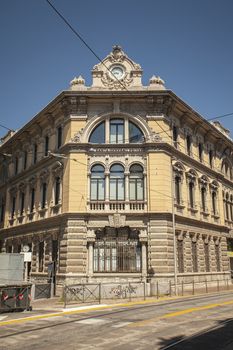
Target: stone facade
101, 179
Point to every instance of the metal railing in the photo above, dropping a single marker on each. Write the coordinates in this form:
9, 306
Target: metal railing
97, 292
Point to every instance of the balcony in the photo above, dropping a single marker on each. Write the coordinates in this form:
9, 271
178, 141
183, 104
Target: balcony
112, 206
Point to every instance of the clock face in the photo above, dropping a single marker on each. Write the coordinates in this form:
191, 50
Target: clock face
117, 72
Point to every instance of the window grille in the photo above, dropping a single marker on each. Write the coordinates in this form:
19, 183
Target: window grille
117, 250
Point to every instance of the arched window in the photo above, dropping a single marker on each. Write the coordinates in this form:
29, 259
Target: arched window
98, 134
135, 134
97, 183
116, 131
117, 182
136, 183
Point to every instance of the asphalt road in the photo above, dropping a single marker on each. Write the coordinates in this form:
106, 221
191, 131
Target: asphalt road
189, 323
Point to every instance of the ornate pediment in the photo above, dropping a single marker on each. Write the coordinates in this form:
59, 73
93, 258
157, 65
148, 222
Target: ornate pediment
117, 72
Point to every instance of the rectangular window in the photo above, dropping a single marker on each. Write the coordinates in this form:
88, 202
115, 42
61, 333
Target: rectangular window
25, 159
177, 189
32, 200
16, 165
211, 158
117, 189
2, 210
200, 151
136, 189
175, 136
207, 257
116, 131
13, 207
191, 195
180, 255
188, 144
54, 250
217, 256
22, 196
46, 145
97, 189
59, 137
35, 154
57, 190
194, 256
41, 257
44, 195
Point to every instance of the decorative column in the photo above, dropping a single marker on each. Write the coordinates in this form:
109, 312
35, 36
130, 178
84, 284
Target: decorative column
107, 190
90, 246
143, 238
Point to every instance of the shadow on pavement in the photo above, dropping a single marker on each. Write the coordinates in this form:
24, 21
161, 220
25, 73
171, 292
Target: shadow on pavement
219, 337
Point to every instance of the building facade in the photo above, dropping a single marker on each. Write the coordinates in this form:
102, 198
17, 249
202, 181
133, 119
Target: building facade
118, 182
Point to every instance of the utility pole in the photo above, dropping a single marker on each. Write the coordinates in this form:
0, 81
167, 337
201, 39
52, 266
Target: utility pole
174, 227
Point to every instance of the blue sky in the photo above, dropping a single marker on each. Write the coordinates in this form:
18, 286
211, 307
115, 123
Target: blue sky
186, 42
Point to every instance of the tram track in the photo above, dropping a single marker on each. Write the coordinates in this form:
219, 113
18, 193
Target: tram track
116, 312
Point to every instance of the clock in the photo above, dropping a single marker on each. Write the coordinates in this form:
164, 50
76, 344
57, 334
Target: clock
118, 72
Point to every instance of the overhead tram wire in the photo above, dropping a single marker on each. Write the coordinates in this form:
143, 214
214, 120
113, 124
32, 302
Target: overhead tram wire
97, 56
101, 61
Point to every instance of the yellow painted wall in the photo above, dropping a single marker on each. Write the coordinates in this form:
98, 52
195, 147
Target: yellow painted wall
78, 183
161, 127
159, 182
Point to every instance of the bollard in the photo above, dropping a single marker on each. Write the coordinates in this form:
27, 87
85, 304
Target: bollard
218, 285
227, 285
144, 289
182, 288
206, 286
193, 288
157, 289
129, 292
170, 288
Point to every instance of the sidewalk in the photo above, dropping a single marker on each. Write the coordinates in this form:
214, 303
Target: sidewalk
51, 304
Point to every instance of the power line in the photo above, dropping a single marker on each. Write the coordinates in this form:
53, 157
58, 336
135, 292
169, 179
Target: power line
220, 116
5, 127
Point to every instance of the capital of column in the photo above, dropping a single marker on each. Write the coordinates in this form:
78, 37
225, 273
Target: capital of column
91, 237
143, 238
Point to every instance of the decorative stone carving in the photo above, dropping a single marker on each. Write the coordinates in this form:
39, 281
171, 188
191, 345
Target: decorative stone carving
77, 84
22, 187
156, 83
32, 182
113, 84
57, 168
77, 137
44, 175
117, 220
